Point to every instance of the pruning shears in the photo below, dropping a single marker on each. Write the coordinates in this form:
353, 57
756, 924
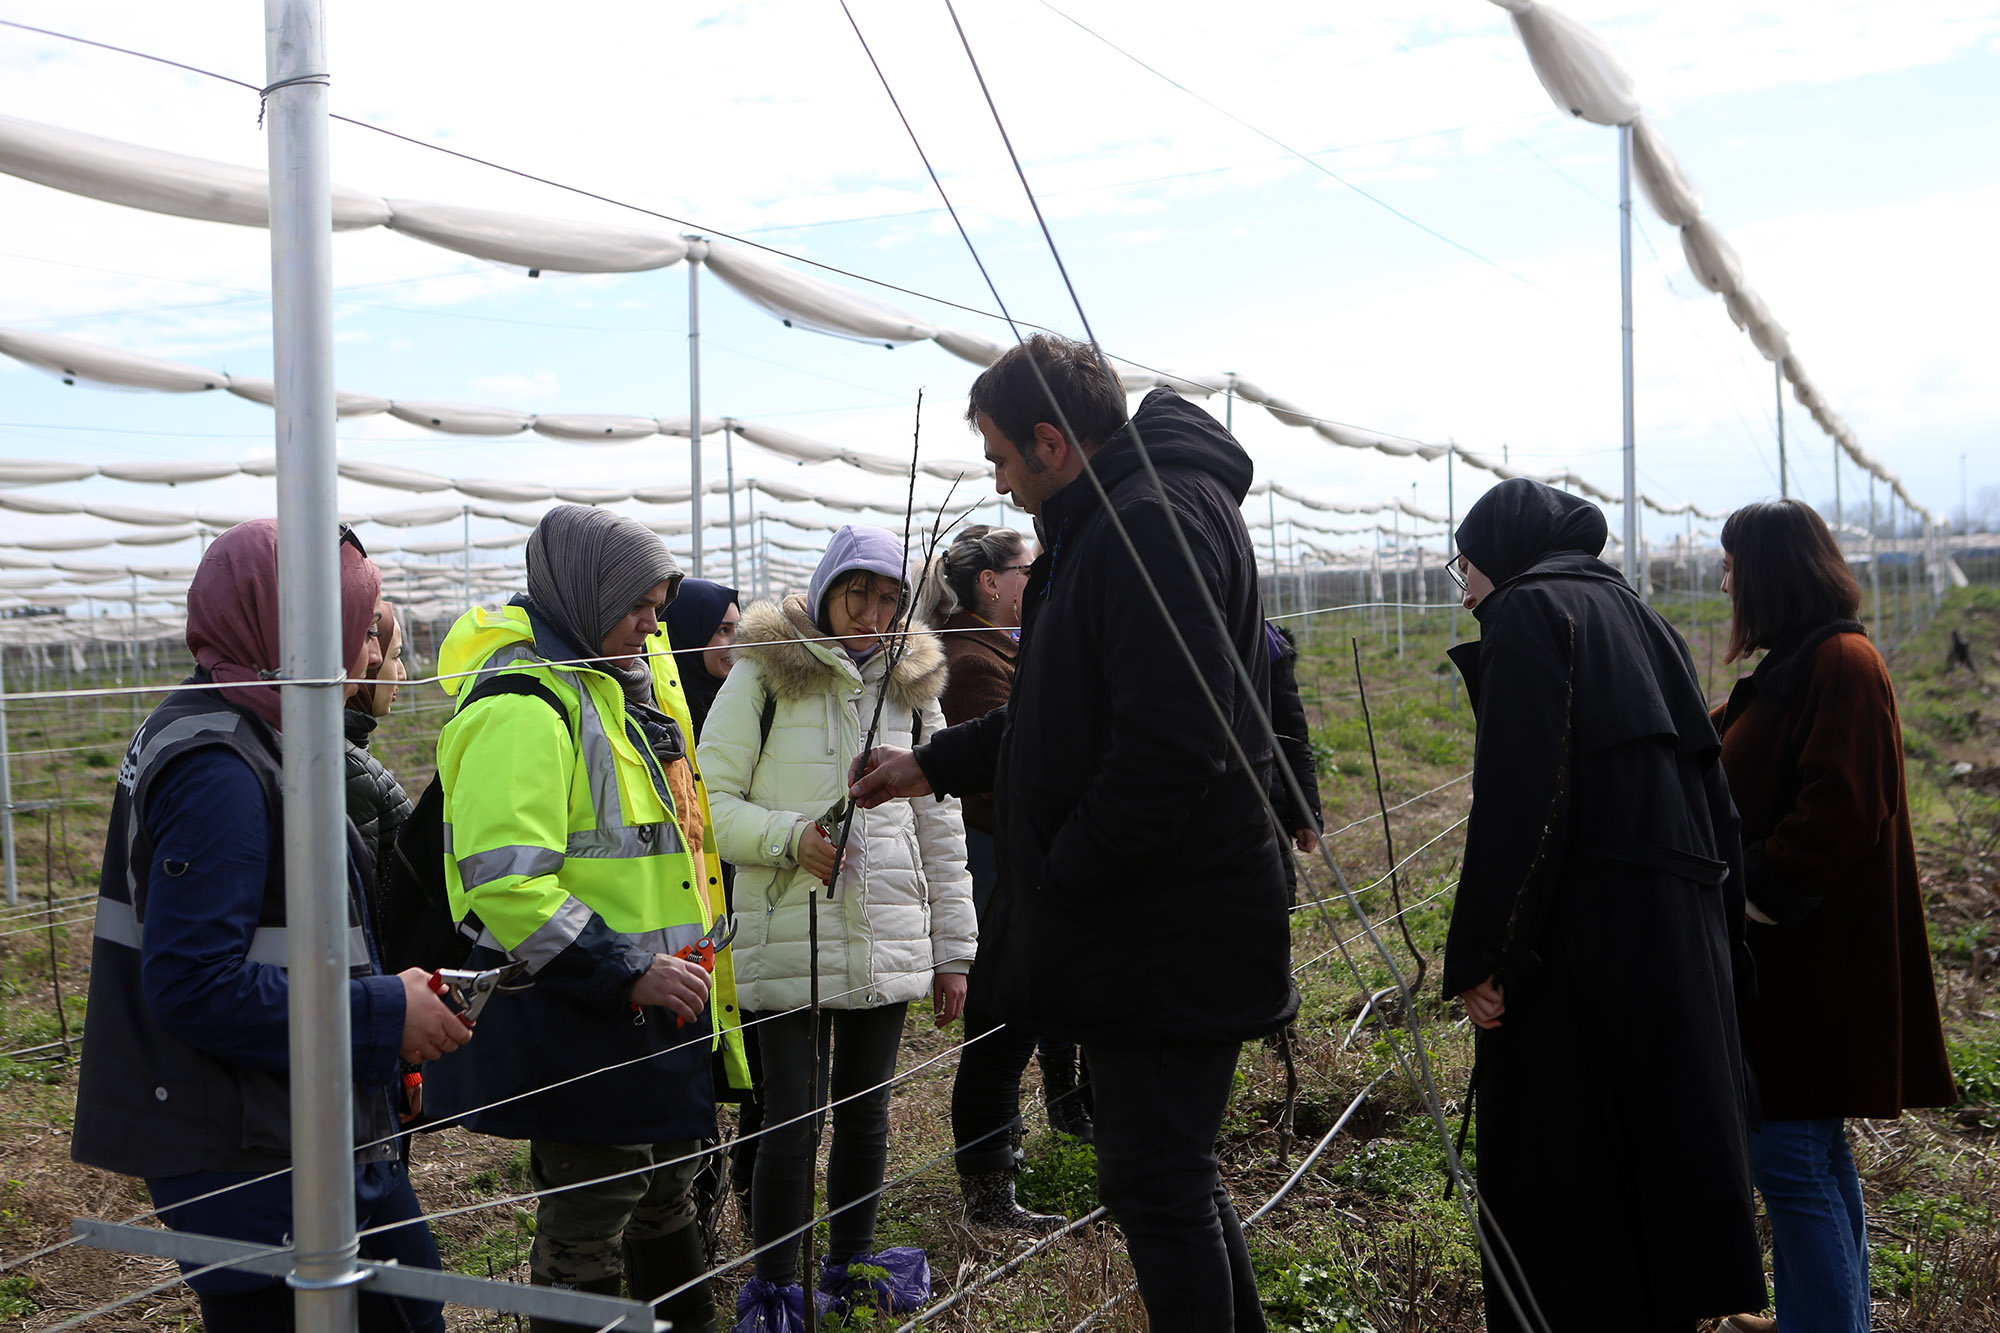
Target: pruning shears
468, 992
715, 939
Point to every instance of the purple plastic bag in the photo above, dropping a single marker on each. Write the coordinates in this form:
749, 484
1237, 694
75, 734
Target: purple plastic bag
763, 1307
907, 1286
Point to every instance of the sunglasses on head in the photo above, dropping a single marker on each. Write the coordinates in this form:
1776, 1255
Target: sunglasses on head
348, 537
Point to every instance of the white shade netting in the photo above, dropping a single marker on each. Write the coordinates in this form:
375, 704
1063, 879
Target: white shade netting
158, 181
808, 303
1667, 187
1574, 65
537, 243
74, 359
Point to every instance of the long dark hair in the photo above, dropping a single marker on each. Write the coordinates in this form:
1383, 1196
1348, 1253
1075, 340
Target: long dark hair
1786, 574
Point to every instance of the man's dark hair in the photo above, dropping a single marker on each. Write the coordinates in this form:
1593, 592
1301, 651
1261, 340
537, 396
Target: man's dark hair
1787, 573
1087, 394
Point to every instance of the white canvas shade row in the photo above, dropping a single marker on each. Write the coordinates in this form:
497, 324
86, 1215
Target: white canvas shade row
74, 359
194, 187
1585, 79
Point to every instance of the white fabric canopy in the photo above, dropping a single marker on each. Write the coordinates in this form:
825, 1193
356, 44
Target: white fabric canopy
74, 359
808, 303
1574, 65
159, 182
1584, 78
344, 403
1667, 187
537, 243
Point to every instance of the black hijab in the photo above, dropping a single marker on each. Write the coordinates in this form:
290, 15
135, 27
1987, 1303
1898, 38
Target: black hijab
1521, 523
692, 620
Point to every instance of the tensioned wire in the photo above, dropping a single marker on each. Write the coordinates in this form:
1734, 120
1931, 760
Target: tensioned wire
717, 1148
1256, 706
1439, 836
817, 1110
740, 239
1152, 588
318, 682
405, 1133
903, 1179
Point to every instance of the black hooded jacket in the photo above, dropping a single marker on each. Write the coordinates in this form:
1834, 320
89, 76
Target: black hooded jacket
1131, 843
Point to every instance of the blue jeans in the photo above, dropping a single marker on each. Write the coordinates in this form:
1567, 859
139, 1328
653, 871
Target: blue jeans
1819, 1238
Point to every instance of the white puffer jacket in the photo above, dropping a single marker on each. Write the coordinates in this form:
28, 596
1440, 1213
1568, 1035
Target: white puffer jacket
905, 909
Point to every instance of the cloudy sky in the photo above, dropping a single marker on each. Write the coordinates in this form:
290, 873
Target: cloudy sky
1445, 267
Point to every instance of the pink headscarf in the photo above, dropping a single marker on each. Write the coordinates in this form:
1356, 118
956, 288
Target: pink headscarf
232, 620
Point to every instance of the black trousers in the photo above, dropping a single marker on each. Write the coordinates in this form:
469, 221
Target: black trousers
986, 1094
864, 1044
1159, 1109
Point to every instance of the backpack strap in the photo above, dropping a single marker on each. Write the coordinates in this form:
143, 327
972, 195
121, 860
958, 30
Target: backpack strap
765, 719
517, 682
916, 727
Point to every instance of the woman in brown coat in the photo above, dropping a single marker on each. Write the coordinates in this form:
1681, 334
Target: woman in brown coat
979, 582
1845, 1021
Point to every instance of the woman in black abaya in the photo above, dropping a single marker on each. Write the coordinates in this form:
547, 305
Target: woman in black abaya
1597, 940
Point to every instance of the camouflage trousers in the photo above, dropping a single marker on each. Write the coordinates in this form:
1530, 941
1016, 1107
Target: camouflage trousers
579, 1232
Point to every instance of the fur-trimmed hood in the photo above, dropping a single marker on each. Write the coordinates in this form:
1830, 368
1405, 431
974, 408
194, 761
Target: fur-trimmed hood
769, 634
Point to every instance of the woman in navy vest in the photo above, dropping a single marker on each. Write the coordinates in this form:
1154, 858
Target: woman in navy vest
186, 1080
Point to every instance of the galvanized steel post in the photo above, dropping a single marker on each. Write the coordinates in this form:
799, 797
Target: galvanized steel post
315, 851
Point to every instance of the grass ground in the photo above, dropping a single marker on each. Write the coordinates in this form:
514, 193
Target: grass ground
1365, 1241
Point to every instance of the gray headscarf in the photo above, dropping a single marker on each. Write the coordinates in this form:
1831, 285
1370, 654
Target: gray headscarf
586, 568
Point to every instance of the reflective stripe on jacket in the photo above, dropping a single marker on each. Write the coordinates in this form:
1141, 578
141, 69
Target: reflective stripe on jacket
672, 699
561, 839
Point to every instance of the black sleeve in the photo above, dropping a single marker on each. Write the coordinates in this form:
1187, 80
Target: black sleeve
1288, 719
1518, 759
964, 758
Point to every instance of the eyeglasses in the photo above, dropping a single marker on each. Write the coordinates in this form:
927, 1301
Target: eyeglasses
1457, 574
1009, 569
348, 537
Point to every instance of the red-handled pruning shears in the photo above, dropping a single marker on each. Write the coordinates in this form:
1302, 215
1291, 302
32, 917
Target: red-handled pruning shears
715, 939
468, 992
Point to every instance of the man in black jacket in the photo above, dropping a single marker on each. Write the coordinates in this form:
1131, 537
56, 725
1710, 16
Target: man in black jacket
1140, 907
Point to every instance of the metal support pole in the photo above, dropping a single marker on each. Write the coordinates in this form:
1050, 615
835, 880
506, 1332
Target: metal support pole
1271, 515
1874, 564
1625, 351
1784, 476
729, 472
697, 251
137, 677
1839, 518
7, 790
1451, 553
465, 517
324, 1273
750, 499
1396, 552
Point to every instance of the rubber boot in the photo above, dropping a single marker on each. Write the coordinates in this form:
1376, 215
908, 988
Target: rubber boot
661, 1263
1068, 1113
990, 1202
612, 1284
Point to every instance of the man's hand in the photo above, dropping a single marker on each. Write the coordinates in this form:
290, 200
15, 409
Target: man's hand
816, 854
1484, 1003
884, 774
947, 997
430, 1028
1306, 840
679, 984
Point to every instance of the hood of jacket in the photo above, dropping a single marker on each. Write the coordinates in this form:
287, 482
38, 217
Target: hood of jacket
1177, 434
769, 636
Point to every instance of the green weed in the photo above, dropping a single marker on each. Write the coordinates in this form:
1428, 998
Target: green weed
1060, 1176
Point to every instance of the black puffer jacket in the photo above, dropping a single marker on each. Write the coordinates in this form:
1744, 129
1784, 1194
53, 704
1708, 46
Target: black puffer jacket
376, 802
1130, 839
